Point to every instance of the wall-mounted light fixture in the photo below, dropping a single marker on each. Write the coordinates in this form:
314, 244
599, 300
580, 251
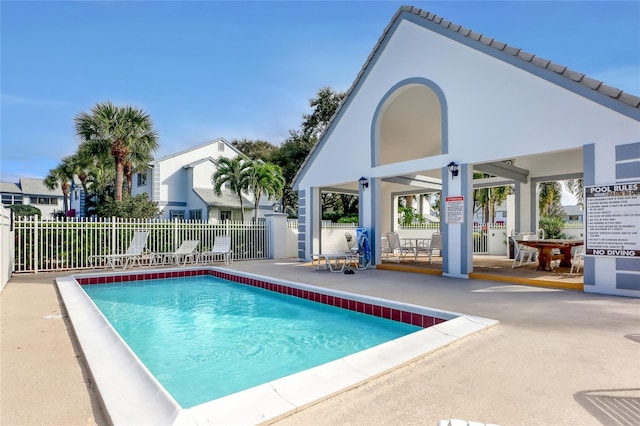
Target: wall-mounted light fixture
364, 183
277, 207
453, 168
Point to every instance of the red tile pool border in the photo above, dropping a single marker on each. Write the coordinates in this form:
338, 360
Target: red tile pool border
407, 317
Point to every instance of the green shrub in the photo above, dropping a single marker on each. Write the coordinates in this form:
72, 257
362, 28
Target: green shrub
349, 219
552, 226
25, 210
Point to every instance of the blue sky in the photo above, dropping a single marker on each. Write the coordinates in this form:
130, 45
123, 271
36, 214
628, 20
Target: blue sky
208, 69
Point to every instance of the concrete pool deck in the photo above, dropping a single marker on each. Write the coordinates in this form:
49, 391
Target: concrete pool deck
555, 356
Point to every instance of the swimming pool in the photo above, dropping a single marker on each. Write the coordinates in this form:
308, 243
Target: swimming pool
132, 395
204, 337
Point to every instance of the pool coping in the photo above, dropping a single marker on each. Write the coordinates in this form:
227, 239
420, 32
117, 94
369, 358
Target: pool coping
131, 394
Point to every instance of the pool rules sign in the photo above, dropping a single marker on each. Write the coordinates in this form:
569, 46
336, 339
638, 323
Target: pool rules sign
613, 220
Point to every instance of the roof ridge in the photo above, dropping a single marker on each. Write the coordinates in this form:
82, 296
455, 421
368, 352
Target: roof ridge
536, 60
561, 70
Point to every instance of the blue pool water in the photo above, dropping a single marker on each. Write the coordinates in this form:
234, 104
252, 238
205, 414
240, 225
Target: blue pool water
204, 337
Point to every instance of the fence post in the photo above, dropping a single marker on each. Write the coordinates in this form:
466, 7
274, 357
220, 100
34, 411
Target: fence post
277, 235
176, 243
36, 247
113, 234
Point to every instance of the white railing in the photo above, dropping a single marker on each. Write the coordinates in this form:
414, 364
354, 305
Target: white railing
432, 226
67, 244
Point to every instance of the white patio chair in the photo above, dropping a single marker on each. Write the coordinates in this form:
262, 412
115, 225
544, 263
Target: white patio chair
522, 253
135, 253
385, 247
221, 247
396, 248
434, 244
351, 243
577, 259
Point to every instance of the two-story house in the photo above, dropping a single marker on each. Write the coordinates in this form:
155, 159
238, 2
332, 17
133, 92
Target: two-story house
181, 185
30, 191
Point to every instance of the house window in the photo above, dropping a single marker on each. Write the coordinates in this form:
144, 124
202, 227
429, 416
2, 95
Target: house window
11, 199
195, 214
176, 214
142, 179
45, 200
221, 146
76, 194
225, 214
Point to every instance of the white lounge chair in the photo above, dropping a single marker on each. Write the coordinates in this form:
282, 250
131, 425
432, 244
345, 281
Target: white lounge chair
135, 253
335, 262
221, 247
186, 252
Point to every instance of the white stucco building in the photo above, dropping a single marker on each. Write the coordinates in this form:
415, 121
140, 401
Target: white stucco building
433, 93
181, 184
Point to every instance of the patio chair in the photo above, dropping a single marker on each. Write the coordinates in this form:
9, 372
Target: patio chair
522, 253
351, 243
396, 248
385, 247
184, 253
221, 247
577, 259
135, 253
434, 244
360, 255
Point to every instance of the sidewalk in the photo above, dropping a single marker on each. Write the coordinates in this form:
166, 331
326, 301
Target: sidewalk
554, 354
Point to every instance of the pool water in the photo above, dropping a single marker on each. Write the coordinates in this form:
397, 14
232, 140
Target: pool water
204, 337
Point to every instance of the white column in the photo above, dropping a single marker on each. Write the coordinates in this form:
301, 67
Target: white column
277, 226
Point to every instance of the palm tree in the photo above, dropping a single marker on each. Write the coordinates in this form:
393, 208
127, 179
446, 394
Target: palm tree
576, 187
138, 159
61, 175
549, 198
488, 198
264, 178
124, 132
235, 173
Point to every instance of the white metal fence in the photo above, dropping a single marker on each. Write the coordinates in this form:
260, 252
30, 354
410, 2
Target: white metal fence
67, 244
487, 238
6, 246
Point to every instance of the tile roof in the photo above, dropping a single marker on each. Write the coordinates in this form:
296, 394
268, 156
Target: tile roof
227, 199
32, 186
562, 70
10, 187
211, 143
